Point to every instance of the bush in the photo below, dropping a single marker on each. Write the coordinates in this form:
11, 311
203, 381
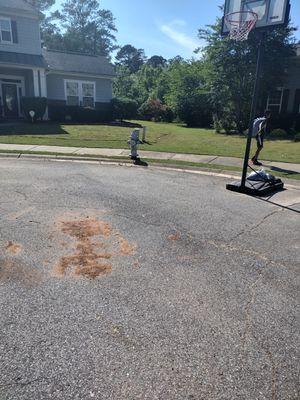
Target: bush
151, 110
36, 104
195, 110
155, 110
123, 108
168, 115
61, 113
297, 137
278, 134
289, 122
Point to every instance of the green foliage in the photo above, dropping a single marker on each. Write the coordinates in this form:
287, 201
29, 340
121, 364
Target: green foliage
155, 110
157, 61
297, 137
131, 58
182, 78
124, 108
230, 70
168, 82
278, 134
36, 104
195, 110
83, 27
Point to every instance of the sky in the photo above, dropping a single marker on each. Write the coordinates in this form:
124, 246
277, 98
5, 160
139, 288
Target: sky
168, 27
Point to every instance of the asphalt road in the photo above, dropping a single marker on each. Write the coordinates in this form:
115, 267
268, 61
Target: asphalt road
126, 284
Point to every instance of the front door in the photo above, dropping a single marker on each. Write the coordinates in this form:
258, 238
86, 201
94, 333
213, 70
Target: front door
10, 100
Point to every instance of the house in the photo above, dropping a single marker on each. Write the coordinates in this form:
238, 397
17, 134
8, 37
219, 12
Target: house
286, 99
26, 69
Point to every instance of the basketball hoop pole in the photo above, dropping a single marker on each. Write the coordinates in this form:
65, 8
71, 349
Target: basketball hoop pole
253, 110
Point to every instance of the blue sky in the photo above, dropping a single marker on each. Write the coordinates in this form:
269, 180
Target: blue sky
167, 27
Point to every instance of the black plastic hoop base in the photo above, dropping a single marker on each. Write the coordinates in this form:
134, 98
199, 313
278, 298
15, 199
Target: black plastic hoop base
256, 188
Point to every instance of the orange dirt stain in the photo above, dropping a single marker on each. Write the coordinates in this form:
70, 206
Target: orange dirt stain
136, 264
126, 249
86, 228
86, 261
174, 237
13, 248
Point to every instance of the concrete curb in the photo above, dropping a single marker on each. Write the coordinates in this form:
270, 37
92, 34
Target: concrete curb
222, 173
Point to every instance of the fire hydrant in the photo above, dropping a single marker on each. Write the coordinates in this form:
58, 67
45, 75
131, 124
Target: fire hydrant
134, 142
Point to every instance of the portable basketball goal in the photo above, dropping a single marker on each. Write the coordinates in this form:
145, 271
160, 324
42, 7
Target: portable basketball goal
240, 18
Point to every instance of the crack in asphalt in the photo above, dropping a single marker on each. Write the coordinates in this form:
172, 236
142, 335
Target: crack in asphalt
257, 225
30, 382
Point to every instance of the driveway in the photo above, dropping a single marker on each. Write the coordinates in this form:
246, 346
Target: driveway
126, 284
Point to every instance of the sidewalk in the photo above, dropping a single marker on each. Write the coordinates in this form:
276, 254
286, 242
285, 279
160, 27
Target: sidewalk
97, 152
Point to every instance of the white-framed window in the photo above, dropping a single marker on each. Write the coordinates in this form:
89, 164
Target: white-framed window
275, 101
6, 30
80, 93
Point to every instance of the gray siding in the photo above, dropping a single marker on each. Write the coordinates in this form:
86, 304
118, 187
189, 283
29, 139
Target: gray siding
29, 39
56, 88
292, 84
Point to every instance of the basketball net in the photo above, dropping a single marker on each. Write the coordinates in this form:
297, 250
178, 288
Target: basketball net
241, 24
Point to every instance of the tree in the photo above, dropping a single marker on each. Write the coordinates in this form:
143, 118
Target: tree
157, 61
230, 71
130, 57
183, 78
41, 5
87, 27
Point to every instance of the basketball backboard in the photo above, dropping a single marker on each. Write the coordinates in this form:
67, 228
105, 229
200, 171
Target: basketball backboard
270, 13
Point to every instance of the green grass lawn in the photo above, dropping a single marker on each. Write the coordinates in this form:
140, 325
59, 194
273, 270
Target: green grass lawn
161, 137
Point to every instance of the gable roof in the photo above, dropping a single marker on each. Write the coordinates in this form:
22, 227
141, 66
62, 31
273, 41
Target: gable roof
78, 63
18, 5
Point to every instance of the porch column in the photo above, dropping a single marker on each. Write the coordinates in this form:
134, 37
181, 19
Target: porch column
43, 83
36, 83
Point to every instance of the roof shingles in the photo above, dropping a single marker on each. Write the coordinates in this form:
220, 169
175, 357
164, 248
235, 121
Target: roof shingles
77, 63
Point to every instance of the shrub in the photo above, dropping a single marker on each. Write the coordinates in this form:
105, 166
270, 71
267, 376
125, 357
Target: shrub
195, 110
151, 110
168, 115
123, 108
155, 110
289, 122
278, 134
36, 104
297, 137
62, 113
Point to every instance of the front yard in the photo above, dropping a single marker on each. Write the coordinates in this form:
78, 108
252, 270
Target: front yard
160, 137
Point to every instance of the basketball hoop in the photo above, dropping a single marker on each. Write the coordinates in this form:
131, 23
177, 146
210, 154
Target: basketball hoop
241, 24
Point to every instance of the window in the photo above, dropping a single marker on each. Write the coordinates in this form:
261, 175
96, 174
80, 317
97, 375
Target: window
5, 30
79, 93
275, 101
72, 93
